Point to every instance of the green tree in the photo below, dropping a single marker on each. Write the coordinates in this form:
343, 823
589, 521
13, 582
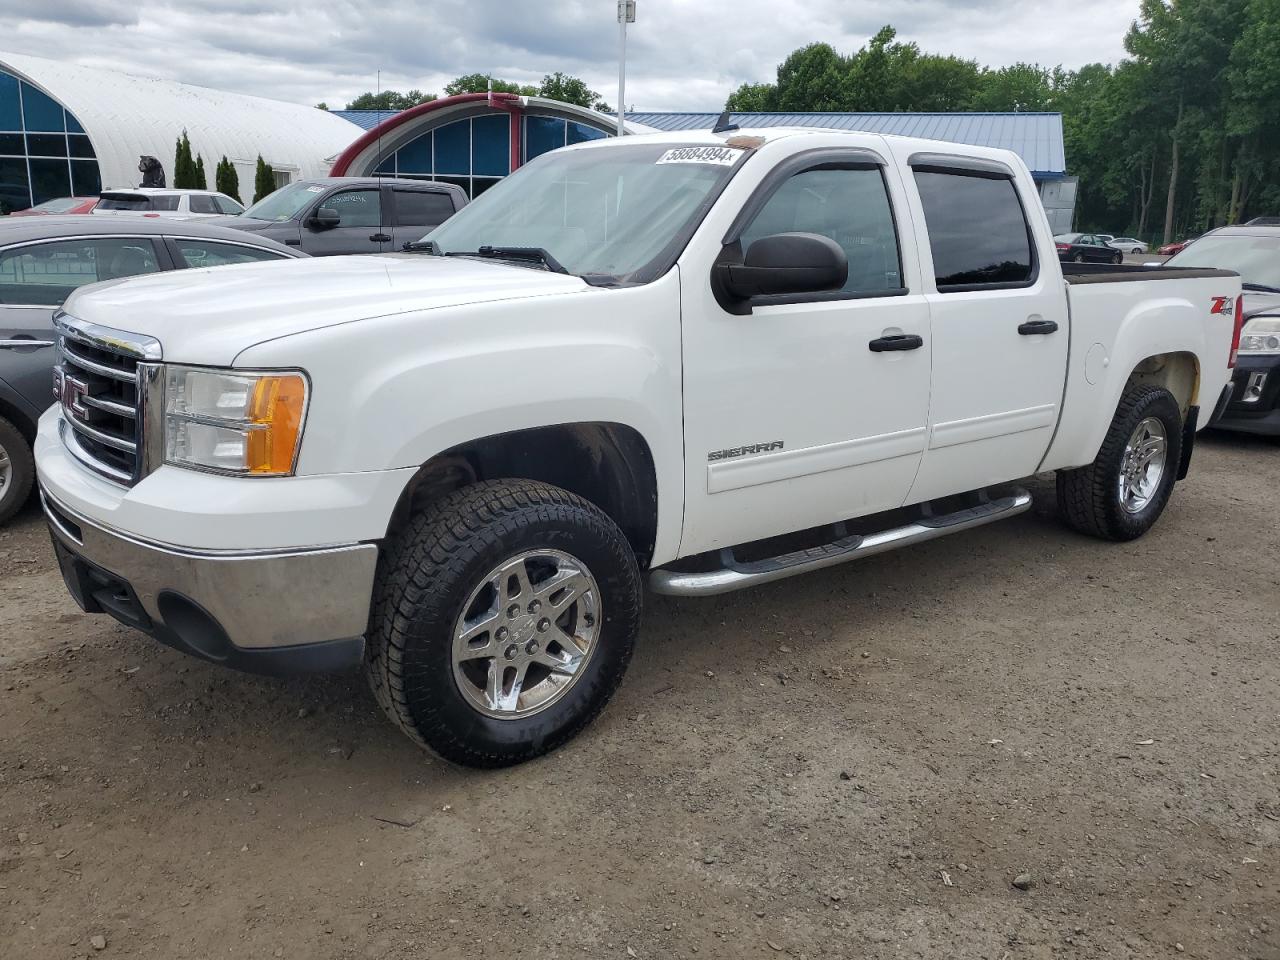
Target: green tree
1021, 87
322, 106
184, 167
389, 100
479, 83
567, 89
226, 180
202, 182
264, 180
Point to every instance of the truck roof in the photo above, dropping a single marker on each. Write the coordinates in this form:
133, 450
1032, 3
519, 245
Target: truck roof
822, 134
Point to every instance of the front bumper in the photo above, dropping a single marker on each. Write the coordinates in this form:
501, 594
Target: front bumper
281, 612
1254, 406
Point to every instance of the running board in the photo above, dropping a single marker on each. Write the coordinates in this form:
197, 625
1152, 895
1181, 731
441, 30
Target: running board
735, 575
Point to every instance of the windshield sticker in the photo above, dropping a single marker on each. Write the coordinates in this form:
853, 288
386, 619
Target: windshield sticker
315, 189
721, 156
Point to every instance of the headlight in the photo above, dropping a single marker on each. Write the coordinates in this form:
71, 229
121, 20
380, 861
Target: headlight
1261, 335
225, 421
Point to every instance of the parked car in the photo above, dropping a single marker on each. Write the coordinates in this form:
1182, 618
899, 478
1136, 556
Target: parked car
716, 359
1086, 248
337, 215
1254, 253
1172, 249
63, 206
160, 202
1127, 244
42, 261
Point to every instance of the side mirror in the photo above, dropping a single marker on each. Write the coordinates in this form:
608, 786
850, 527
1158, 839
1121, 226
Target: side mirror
785, 263
326, 218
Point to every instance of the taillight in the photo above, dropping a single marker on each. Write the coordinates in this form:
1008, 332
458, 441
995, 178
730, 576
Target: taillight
1235, 336
1063, 246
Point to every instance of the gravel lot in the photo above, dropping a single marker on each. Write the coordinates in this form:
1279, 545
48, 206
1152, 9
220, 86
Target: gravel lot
854, 764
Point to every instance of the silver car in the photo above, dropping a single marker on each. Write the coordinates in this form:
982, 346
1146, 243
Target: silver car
42, 260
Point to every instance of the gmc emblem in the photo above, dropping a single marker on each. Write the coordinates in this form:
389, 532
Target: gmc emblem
73, 394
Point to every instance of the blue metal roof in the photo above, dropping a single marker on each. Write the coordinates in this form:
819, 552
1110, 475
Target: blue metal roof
365, 119
1036, 137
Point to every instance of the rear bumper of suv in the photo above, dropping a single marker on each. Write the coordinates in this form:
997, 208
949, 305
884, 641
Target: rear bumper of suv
284, 612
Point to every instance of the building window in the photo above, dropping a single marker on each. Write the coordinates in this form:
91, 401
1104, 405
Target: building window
44, 152
475, 153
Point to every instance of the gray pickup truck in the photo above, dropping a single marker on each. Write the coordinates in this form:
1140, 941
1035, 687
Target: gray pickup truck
341, 215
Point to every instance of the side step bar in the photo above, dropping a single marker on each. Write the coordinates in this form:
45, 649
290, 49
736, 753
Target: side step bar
736, 575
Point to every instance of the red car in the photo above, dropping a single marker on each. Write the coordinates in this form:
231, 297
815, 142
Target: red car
62, 205
1169, 249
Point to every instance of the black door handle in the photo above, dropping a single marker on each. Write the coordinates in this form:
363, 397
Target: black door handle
897, 341
380, 238
1038, 328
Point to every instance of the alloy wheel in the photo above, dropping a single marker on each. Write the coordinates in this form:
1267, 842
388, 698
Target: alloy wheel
526, 634
1143, 465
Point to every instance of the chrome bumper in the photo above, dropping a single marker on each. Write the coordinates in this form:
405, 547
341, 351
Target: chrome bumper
267, 612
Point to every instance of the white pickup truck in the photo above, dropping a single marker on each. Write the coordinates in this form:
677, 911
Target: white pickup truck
708, 360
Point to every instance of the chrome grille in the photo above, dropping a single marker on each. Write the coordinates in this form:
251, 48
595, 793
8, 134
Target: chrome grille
98, 382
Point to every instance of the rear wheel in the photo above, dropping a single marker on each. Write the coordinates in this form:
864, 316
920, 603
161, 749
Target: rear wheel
1123, 492
17, 470
505, 617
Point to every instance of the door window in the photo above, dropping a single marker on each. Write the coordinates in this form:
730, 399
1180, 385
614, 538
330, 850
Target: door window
422, 208
204, 253
228, 206
977, 230
851, 206
357, 208
202, 203
47, 273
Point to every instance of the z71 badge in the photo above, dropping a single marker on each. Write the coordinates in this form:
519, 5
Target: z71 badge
748, 450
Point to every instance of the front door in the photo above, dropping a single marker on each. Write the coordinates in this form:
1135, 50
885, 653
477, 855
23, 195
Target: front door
999, 327
361, 225
795, 414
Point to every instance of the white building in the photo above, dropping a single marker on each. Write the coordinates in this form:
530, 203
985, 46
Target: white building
67, 130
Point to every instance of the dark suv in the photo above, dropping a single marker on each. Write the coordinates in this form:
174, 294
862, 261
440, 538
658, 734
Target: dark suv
336, 215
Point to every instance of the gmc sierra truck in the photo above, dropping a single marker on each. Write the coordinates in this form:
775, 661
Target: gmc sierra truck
704, 360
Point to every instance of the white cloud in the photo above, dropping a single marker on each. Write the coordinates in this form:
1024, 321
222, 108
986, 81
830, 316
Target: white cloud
682, 54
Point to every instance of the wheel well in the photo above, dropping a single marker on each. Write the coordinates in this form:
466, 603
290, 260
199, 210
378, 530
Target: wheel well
1179, 373
19, 418
606, 463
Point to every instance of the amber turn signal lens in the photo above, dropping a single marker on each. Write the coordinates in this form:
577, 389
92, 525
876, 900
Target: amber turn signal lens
275, 424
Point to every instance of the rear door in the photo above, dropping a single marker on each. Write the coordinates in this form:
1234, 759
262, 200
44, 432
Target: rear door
361, 226
999, 323
416, 212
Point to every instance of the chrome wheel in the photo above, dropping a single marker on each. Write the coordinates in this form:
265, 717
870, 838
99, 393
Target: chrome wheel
6, 470
1143, 465
526, 633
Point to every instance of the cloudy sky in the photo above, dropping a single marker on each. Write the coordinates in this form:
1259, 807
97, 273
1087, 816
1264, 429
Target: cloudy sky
682, 54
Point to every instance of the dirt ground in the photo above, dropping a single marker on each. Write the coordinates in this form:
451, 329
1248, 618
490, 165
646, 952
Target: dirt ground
854, 764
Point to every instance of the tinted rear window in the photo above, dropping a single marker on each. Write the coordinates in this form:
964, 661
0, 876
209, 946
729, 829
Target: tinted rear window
120, 202
422, 208
977, 230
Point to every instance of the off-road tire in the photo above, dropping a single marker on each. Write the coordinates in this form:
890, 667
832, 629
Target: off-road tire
1089, 498
426, 574
13, 496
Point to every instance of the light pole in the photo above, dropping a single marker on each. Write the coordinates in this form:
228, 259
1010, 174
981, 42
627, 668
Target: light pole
626, 14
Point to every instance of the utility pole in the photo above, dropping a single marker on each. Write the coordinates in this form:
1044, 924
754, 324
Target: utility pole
626, 14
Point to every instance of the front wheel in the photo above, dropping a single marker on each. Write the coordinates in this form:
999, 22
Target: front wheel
505, 617
1117, 258
17, 470
1123, 492
1078, 258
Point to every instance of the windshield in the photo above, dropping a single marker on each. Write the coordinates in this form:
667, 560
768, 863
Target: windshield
285, 203
1255, 258
61, 205
605, 212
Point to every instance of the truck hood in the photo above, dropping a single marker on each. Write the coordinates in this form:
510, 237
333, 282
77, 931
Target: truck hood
209, 316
